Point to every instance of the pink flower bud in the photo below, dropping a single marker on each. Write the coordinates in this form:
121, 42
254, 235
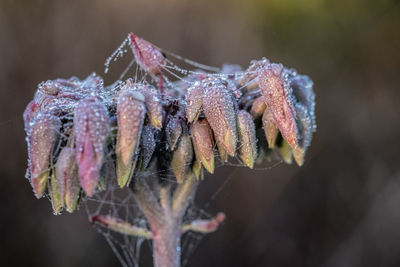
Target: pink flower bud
41, 140
247, 138
202, 138
91, 128
219, 110
131, 112
29, 114
194, 101
278, 97
152, 102
150, 58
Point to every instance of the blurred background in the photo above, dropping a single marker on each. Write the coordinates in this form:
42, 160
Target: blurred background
342, 208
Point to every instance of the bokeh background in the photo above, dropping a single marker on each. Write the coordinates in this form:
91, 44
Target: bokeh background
342, 208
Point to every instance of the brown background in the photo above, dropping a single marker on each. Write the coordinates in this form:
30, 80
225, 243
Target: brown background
341, 209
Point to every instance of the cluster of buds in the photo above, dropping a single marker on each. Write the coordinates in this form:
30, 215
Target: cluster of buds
173, 127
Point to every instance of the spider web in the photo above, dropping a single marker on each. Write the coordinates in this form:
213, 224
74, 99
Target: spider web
120, 203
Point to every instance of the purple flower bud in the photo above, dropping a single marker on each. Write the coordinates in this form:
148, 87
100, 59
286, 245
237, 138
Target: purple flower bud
173, 132
147, 55
306, 128
131, 112
147, 146
42, 137
219, 110
202, 138
278, 97
91, 128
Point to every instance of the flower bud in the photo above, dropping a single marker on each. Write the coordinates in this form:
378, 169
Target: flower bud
147, 146
223, 155
247, 138
219, 110
150, 58
270, 128
202, 138
41, 141
306, 127
173, 131
258, 107
29, 114
194, 100
279, 100
286, 152
91, 128
56, 196
182, 157
153, 104
67, 176
130, 114
197, 169
250, 78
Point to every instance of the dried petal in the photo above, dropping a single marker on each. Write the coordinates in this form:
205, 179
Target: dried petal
173, 132
270, 128
258, 107
194, 100
91, 128
130, 114
303, 92
67, 177
278, 97
41, 140
147, 146
203, 144
247, 138
147, 55
219, 110
182, 157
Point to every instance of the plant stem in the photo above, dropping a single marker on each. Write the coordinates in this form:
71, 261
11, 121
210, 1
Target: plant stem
165, 217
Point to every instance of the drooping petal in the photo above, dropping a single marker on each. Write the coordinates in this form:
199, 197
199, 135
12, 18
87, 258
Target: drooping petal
130, 114
91, 128
247, 138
